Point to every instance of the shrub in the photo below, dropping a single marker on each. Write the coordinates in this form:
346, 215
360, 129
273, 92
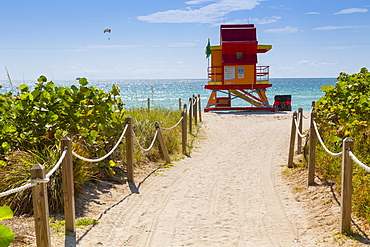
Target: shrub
34, 122
344, 111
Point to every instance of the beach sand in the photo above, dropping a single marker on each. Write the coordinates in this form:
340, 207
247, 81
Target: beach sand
231, 191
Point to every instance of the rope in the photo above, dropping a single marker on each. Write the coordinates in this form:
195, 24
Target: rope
354, 158
29, 184
23, 187
322, 143
297, 129
57, 164
191, 102
108, 154
151, 145
195, 101
33, 182
174, 125
309, 114
169, 104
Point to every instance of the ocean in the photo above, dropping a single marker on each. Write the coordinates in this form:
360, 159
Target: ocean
167, 92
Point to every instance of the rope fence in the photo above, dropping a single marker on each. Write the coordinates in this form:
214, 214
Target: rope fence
174, 125
322, 142
39, 178
149, 104
298, 130
108, 154
33, 182
362, 165
347, 159
151, 145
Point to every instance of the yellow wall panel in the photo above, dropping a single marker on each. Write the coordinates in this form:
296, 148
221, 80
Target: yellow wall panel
216, 58
243, 74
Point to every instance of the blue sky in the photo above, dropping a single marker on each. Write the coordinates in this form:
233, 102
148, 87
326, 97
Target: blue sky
167, 38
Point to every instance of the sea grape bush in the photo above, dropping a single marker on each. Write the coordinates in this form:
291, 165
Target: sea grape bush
348, 102
33, 120
6, 235
32, 124
344, 111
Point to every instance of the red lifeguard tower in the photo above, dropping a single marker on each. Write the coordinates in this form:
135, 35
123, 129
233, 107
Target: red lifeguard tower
233, 72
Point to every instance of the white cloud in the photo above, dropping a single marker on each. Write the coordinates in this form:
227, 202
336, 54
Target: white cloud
336, 48
309, 63
325, 28
304, 62
265, 20
210, 13
78, 68
312, 13
197, 1
286, 29
351, 11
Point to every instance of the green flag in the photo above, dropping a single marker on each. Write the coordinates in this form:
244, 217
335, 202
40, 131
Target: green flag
208, 49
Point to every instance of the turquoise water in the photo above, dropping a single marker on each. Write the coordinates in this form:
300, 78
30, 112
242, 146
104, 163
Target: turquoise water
167, 92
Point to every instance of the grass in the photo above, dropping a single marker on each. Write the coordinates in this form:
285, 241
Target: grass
144, 129
59, 225
168, 165
298, 189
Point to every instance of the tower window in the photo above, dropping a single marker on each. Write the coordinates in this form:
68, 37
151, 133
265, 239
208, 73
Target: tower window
239, 55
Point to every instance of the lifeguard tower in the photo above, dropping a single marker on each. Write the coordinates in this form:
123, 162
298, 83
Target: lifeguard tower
233, 72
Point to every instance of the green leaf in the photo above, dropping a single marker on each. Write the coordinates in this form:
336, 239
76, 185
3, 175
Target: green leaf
6, 236
333, 138
30, 96
46, 95
23, 88
53, 117
112, 163
9, 128
94, 133
326, 88
42, 78
5, 146
50, 84
5, 213
83, 81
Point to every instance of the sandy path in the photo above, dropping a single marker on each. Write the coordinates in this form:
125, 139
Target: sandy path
229, 193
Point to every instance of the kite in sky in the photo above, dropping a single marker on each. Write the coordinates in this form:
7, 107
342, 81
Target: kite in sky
107, 30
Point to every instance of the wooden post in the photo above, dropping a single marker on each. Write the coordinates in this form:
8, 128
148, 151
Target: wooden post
195, 110
68, 186
40, 208
161, 142
292, 141
129, 150
179, 104
148, 104
300, 127
184, 131
190, 116
346, 191
312, 152
200, 109
313, 105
